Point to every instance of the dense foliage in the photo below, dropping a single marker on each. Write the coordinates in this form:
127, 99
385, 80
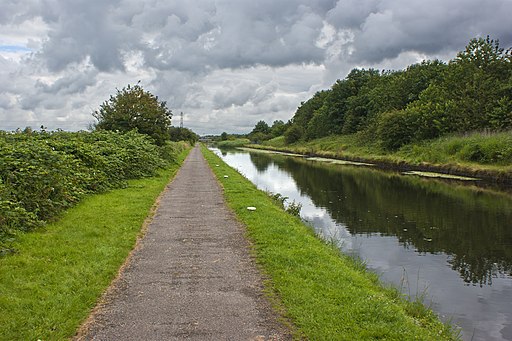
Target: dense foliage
134, 108
262, 131
472, 92
183, 134
43, 173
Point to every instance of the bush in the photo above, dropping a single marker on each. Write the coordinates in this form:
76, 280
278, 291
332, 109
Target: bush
395, 129
42, 174
293, 134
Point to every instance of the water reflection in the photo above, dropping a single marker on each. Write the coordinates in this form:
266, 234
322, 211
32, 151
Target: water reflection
470, 224
453, 242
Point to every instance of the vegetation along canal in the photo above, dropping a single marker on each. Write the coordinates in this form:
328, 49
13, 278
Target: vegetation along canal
444, 242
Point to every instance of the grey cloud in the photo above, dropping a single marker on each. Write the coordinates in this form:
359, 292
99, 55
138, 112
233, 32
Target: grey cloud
5, 101
351, 14
52, 96
186, 36
232, 60
433, 27
73, 83
84, 30
234, 93
236, 34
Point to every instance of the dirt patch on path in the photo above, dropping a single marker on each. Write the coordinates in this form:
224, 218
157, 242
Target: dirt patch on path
192, 276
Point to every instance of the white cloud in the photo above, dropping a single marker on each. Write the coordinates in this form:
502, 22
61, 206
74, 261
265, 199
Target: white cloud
226, 64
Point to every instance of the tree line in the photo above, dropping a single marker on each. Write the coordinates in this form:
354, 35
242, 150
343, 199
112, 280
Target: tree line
472, 92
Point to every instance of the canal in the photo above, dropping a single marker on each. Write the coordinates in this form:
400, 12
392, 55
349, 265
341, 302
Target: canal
443, 242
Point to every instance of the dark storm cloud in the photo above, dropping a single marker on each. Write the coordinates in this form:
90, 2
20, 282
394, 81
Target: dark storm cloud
200, 36
234, 58
50, 96
85, 29
384, 29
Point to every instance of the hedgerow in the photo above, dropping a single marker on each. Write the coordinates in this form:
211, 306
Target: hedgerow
43, 173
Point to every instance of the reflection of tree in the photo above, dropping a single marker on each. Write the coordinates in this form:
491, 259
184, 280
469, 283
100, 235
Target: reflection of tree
260, 161
471, 226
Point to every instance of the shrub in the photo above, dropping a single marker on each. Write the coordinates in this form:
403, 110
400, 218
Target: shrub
42, 174
395, 129
293, 134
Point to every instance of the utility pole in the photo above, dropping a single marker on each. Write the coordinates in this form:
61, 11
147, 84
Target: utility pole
181, 120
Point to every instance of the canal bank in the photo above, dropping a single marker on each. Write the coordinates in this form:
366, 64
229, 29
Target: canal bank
328, 296
442, 241
488, 174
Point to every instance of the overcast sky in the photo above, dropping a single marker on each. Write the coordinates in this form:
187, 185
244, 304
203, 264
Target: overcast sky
226, 63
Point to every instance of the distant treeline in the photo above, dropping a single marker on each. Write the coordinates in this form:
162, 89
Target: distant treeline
472, 92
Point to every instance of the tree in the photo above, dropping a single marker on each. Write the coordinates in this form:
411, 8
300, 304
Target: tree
183, 134
133, 108
224, 136
260, 133
278, 128
261, 127
293, 134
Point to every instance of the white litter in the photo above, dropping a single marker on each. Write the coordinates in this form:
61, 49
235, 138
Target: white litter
251, 208
226, 176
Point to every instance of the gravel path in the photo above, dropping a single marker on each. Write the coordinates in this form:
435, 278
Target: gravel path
192, 276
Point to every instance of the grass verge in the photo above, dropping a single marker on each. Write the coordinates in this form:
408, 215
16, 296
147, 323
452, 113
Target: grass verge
49, 286
487, 156
327, 295
233, 143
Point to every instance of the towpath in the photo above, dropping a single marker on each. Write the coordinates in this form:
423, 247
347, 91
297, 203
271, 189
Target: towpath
192, 276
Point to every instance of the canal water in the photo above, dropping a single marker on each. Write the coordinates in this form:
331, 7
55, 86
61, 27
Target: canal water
447, 243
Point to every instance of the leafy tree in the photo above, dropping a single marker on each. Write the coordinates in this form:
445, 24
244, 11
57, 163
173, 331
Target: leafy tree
345, 104
424, 101
394, 90
261, 127
260, 133
278, 128
319, 125
395, 128
224, 136
293, 134
133, 108
183, 134
480, 81
306, 109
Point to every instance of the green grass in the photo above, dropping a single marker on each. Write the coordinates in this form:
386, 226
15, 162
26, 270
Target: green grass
275, 142
477, 148
326, 295
333, 146
49, 286
233, 143
480, 154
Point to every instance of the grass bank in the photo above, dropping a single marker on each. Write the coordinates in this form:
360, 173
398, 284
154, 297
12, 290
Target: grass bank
327, 295
486, 156
49, 286
233, 143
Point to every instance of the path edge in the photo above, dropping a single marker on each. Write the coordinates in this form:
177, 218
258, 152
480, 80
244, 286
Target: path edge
103, 300
269, 293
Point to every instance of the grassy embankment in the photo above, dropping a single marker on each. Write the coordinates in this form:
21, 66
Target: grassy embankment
232, 143
49, 286
327, 295
482, 155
